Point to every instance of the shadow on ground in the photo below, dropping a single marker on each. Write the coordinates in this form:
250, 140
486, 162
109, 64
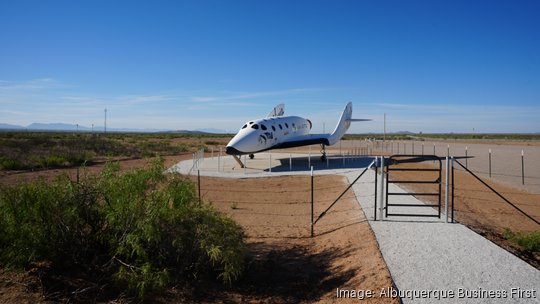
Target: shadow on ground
304, 163
284, 276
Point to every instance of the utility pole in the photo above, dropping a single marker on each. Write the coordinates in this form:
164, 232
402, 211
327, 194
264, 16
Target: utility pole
105, 128
384, 135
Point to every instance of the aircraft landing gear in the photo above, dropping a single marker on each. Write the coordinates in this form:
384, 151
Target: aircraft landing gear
323, 151
251, 156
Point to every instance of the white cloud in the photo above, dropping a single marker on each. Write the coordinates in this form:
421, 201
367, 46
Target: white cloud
10, 112
35, 84
252, 95
142, 99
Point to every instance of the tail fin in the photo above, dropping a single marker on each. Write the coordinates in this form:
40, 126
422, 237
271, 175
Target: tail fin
343, 124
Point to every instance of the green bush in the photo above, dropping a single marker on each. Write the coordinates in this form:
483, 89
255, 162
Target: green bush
140, 229
211, 143
529, 241
10, 164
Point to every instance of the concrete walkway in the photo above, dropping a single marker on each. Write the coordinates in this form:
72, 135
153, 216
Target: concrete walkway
429, 260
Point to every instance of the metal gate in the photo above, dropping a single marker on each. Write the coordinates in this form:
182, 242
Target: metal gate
412, 163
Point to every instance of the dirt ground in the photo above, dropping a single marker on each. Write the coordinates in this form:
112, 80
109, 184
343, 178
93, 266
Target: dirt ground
291, 266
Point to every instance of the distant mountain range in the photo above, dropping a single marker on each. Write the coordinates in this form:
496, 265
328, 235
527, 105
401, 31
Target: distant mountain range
70, 127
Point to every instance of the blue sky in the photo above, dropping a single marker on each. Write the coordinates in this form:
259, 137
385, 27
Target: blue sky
431, 66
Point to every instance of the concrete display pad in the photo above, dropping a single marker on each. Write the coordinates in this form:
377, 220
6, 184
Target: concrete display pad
271, 164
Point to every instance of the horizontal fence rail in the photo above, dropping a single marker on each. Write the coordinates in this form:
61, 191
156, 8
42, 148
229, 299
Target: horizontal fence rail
411, 158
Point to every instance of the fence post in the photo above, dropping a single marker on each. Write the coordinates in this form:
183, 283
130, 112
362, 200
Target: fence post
312, 203
434, 149
447, 150
219, 159
422, 149
466, 156
327, 162
413, 147
199, 184
446, 174
375, 195
290, 162
489, 162
522, 169
382, 189
270, 162
309, 158
453, 187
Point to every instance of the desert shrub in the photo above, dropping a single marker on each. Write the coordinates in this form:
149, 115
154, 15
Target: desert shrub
529, 241
140, 229
203, 147
152, 148
52, 161
182, 148
211, 143
10, 164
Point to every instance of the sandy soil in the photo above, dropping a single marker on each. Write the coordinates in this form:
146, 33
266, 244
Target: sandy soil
296, 268
17, 287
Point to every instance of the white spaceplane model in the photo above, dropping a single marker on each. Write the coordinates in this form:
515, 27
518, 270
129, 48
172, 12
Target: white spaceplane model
277, 131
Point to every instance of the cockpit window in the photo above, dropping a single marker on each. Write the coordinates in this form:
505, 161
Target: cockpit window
251, 122
280, 127
273, 128
255, 126
287, 125
244, 126
263, 127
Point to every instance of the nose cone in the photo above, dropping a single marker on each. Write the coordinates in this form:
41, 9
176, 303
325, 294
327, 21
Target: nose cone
232, 151
242, 143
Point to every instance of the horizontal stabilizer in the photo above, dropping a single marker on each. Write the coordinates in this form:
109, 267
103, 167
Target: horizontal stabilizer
359, 119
